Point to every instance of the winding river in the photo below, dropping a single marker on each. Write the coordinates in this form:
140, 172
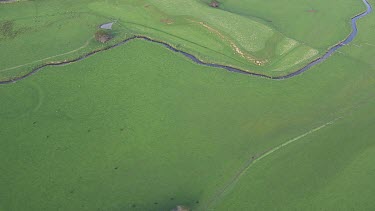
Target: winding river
319, 60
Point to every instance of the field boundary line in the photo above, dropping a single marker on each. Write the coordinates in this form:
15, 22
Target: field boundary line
40, 60
195, 59
257, 158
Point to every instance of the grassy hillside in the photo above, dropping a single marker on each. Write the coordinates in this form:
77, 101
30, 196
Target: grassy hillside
318, 23
330, 170
144, 132
33, 33
142, 128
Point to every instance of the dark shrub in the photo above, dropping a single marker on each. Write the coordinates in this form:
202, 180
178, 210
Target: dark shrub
214, 4
102, 36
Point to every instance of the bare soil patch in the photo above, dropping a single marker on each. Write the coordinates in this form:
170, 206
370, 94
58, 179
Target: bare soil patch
167, 21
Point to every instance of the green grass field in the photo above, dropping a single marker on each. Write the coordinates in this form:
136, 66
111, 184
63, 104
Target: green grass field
139, 127
63, 30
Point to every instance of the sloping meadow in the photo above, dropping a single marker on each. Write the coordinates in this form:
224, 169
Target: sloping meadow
56, 32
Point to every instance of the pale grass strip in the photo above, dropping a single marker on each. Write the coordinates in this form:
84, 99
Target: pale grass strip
40, 60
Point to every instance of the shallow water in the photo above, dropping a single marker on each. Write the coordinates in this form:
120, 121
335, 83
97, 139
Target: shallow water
106, 26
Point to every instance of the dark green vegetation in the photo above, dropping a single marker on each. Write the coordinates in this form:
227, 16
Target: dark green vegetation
103, 36
141, 128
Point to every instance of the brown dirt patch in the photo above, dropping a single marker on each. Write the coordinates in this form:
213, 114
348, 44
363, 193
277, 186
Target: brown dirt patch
167, 21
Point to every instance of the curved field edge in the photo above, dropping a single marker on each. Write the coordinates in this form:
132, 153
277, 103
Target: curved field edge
334, 85
319, 173
197, 59
316, 15
211, 34
184, 150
